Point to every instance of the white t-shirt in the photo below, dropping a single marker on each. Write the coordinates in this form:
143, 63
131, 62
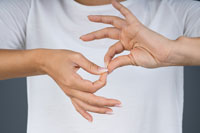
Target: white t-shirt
152, 98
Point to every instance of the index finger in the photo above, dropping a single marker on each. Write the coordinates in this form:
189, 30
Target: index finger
112, 51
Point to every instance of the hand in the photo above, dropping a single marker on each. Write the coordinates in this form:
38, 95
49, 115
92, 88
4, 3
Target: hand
147, 48
62, 66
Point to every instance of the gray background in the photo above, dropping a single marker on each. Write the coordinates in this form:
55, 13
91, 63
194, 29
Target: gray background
13, 103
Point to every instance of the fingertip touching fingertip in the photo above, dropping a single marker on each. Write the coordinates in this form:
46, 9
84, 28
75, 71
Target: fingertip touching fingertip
102, 70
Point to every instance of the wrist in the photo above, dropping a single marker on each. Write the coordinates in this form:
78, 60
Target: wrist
178, 56
39, 57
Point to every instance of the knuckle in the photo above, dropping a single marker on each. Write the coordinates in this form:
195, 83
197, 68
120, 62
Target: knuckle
78, 56
91, 90
93, 66
89, 102
90, 66
68, 82
103, 83
106, 35
103, 102
69, 92
112, 21
111, 48
103, 110
117, 59
132, 59
100, 110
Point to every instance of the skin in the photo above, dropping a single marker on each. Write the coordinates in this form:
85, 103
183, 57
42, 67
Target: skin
61, 65
147, 49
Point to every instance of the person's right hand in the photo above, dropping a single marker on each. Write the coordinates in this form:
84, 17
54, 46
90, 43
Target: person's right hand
62, 66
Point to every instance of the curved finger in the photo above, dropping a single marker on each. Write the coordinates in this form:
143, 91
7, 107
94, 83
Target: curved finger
88, 66
124, 11
87, 86
84, 113
106, 19
121, 61
92, 99
95, 109
109, 32
112, 51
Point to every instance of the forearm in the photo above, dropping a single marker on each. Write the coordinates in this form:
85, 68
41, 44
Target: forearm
19, 63
185, 52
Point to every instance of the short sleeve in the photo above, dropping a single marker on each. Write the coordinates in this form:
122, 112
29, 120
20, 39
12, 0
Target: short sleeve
188, 15
13, 18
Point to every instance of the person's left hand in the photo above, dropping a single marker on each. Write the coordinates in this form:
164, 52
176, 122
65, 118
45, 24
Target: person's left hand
147, 48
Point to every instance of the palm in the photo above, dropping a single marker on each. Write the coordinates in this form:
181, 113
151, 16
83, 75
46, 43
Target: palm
133, 42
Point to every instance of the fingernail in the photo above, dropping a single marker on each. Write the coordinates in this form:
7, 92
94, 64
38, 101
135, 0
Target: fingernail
91, 16
102, 69
82, 36
118, 105
109, 112
90, 121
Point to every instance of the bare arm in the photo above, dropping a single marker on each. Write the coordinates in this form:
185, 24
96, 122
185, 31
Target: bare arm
19, 63
185, 52
60, 65
147, 48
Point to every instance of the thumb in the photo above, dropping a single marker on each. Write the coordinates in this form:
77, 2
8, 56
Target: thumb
120, 61
90, 66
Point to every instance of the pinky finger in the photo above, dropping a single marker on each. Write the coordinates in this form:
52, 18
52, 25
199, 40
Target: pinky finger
84, 113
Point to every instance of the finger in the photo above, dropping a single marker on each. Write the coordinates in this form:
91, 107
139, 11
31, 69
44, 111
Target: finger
124, 11
109, 32
89, 66
112, 51
95, 109
92, 99
121, 61
85, 114
81, 84
113, 20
